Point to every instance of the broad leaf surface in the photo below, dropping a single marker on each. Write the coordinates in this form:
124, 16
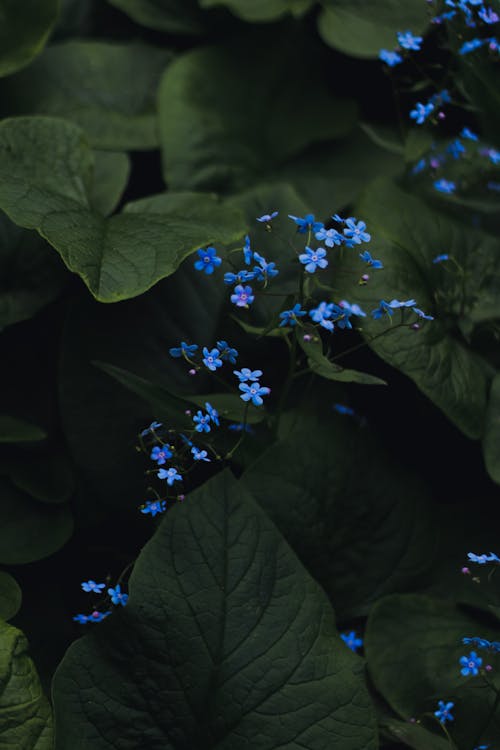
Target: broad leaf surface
173, 16
414, 735
361, 533
413, 645
437, 357
26, 714
47, 168
10, 596
110, 177
24, 29
15, 430
261, 10
491, 437
107, 89
229, 114
361, 29
236, 640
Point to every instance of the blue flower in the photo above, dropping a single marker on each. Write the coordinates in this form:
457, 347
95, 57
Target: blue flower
202, 422
95, 616
390, 58
245, 374
408, 41
479, 642
241, 427
456, 148
237, 278
421, 112
354, 309
371, 261
161, 454
264, 269
330, 237
199, 455
211, 359
243, 296
247, 251
470, 664
351, 640
313, 259
492, 154
346, 410
483, 559
396, 303
338, 219
444, 17
443, 713
384, 308
253, 392
93, 586
227, 353
289, 317
212, 413
322, 314
422, 314
152, 427
171, 475
471, 46
208, 260
266, 218
184, 350
440, 97
155, 507
466, 133
441, 258
356, 231
117, 597
82, 619
488, 15
419, 166
445, 186
307, 224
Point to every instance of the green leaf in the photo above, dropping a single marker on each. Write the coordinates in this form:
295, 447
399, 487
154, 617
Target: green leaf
237, 642
14, 430
406, 236
32, 274
491, 437
111, 173
10, 597
212, 139
362, 29
46, 478
24, 29
46, 173
25, 711
107, 89
418, 143
173, 16
403, 629
261, 10
414, 735
358, 521
30, 530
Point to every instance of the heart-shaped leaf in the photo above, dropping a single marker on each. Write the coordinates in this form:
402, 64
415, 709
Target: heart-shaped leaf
225, 642
24, 29
173, 16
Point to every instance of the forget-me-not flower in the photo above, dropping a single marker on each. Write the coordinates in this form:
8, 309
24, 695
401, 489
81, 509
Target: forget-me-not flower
208, 260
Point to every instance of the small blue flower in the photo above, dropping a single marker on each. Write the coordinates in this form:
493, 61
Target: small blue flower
389, 57
338, 219
471, 46
445, 186
441, 258
371, 261
356, 231
456, 148
264, 270
267, 218
419, 166
95, 616
329, 236
243, 296
202, 422
421, 112
492, 154
241, 427
470, 664
247, 251
408, 41
208, 260
171, 475
82, 619
353, 309
307, 224
313, 259
345, 410
352, 641
246, 375
212, 413
161, 454
184, 350
488, 15
466, 133
396, 303
384, 308
443, 713
440, 97
93, 586
237, 278
483, 559
199, 455
154, 507
117, 597
479, 642
227, 353
289, 317
322, 314
211, 359
444, 17
253, 392
152, 427
422, 314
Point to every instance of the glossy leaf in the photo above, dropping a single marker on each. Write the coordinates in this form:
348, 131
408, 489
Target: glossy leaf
24, 30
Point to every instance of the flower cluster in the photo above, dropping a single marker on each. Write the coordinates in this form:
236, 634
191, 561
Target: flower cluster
115, 595
406, 41
422, 111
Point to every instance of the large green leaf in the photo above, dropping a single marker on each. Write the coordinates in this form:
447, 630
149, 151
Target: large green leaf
362, 532
24, 29
10, 596
229, 115
26, 714
261, 10
491, 437
361, 29
45, 177
406, 236
413, 646
110, 177
414, 735
30, 530
107, 89
226, 642
173, 16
